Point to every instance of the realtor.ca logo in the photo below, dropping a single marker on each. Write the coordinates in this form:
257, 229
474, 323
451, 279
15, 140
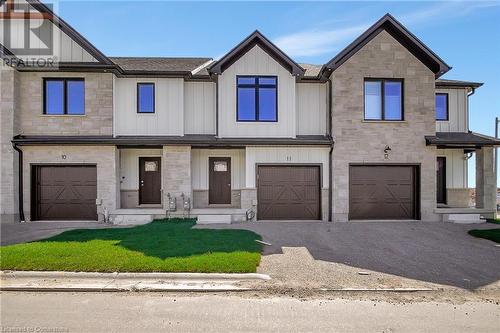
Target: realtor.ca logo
28, 34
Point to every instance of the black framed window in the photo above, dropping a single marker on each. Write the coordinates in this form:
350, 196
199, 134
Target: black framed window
384, 99
145, 97
257, 98
442, 106
64, 96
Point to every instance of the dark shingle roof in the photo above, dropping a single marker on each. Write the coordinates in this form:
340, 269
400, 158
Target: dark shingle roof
159, 64
461, 139
457, 83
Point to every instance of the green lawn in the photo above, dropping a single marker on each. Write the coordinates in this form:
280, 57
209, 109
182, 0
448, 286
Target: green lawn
160, 246
491, 234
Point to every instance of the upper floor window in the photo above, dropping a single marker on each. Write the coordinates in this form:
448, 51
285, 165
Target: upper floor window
145, 97
64, 96
441, 106
257, 98
384, 99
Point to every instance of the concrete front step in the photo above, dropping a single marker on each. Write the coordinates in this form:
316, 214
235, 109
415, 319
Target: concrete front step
463, 218
219, 215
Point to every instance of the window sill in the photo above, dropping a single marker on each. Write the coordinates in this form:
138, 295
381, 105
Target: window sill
385, 121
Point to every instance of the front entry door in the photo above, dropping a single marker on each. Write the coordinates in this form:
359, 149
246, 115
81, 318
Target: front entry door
149, 180
441, 180
219, 180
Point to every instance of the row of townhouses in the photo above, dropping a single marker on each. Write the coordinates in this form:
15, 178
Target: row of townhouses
373, 134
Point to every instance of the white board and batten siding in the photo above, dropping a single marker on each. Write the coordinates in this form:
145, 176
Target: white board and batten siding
285, 155
199, 108
456, 168
200, 167
256, 62
457, 111
168, 118
129, 166
311, 108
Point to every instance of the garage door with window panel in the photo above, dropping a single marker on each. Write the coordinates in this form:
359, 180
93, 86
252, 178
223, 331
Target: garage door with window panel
383, 192
64, 192
288, 192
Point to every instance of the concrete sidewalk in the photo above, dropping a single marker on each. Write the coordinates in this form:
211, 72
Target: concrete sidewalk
80, 281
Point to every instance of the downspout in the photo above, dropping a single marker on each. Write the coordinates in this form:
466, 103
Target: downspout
330, 154
216, 107
20, 181
468, 111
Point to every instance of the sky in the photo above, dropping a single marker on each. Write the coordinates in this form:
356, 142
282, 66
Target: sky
466, 34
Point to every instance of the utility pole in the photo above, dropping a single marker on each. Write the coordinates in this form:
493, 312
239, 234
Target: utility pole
497, 121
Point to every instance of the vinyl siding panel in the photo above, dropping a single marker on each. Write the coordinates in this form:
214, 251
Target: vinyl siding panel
457, 111
199, 167
129, 166
256, 62
311, 108
168, 118
285, 155
199, 108
456, 168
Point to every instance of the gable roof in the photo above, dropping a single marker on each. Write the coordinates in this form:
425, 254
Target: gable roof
70, 31
402, 35
255, 38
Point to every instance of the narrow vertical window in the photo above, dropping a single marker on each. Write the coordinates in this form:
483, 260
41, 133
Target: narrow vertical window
257, 98
64, 96
145, 98
442, 106
383, 99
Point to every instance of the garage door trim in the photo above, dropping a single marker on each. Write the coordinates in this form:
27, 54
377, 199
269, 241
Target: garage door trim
417, 186
320, 179
33, 186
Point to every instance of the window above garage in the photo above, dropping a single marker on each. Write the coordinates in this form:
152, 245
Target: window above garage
257, 98
384, 99
64, 96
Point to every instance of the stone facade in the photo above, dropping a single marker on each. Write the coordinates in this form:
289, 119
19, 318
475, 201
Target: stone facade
458, 197
357, 141
104, 157
486, 190
9, 207
200, 199
98, 118
176, 170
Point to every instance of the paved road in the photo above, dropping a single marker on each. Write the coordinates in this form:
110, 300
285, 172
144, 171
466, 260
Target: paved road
144, 312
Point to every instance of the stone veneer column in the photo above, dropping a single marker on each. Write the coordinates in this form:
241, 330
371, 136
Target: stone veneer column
176, 170
9, 206
485, 179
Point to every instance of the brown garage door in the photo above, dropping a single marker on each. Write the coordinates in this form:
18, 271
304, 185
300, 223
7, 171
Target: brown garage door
288, 192
64, 192
383, 192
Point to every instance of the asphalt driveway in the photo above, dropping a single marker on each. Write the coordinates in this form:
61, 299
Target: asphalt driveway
13, 233
397, 254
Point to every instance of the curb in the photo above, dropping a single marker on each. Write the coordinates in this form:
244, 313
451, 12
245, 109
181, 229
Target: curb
139, 276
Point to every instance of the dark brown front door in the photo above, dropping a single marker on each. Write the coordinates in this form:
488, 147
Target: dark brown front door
385, 192
441, 180
64, 192
219, 182
288, 192
149, 180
